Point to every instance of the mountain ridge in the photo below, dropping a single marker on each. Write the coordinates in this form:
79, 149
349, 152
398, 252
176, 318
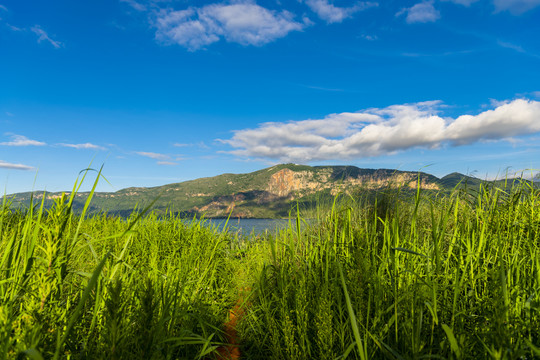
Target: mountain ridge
265, 193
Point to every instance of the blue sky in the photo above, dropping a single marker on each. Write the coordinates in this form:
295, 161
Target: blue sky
163, 91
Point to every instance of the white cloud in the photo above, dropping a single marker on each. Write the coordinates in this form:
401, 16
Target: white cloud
153, 155
168, 163
369, 37
6, 165
421, 13
200, 145
332, 14
83, 146
243, 23
375, 132
20, 140
510, 119
462, 2
515, 7
13, 28
43, 36
134, 4
509, 45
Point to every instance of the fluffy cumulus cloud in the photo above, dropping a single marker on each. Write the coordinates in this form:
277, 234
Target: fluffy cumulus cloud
11, 166
334, 14
20, 140
43, 36
514, 118
243, 23
420, 13
516, 7
376, 132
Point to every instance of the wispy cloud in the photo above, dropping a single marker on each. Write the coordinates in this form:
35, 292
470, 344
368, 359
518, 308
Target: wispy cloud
13, 28
369, 37
493, 40
43, 36
441, 54
334, 14
200, 145
321, 88
7, 165
83, 146
20, 140
163, 159
153, 155
421, 13
508, 45
9, 26
168, 163
515, 7
462, 2
512, 46
375, 132
134, 4
244, 23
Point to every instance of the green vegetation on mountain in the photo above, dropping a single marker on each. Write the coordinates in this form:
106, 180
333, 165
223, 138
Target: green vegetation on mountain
454, 179
267, 193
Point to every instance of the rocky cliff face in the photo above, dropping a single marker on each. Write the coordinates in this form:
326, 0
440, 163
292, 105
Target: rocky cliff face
285, 182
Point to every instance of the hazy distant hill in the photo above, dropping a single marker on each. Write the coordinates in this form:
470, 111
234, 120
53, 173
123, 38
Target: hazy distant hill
454, 179
267, 193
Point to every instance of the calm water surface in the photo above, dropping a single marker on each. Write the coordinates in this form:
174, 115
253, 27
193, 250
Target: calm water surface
251, 226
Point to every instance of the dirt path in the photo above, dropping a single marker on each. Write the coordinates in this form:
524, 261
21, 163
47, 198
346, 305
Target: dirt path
231, 351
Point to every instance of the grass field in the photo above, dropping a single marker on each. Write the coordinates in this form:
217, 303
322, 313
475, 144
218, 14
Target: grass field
393, 277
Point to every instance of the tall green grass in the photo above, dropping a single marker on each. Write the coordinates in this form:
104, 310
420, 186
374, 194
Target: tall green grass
111, 288
396, 276
433, 277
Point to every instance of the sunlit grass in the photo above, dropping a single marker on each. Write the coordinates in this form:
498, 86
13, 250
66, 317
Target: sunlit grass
109, 288
450, 277
404, 277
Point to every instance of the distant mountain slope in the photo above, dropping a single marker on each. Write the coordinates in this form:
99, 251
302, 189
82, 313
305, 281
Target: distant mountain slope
454, 179
267, 193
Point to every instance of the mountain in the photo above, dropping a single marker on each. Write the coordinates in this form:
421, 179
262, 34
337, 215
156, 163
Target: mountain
454, 179
267, 193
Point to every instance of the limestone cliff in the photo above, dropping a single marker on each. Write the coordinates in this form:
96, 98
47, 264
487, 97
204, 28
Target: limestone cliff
285, 182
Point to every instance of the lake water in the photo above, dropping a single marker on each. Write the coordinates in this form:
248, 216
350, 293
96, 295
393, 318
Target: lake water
249, 226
